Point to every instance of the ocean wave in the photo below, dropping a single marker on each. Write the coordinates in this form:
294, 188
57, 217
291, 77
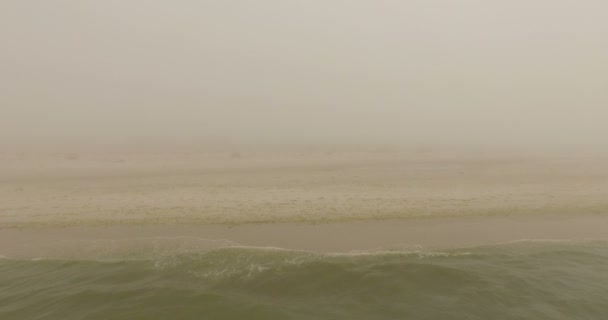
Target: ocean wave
516, 280
152, 248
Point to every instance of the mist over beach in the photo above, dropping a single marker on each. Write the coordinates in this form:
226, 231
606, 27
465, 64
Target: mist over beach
412, 73
303, 159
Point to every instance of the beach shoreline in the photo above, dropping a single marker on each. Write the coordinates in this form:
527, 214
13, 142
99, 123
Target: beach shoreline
169, 187
315, 201
378, 235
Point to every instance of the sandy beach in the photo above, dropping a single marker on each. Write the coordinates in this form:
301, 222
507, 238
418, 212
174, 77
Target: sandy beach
322, 201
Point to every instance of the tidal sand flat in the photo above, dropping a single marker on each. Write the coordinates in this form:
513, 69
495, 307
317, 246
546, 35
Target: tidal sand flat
181, 186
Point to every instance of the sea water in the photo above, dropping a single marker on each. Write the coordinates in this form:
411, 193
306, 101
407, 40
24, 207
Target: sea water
517, 280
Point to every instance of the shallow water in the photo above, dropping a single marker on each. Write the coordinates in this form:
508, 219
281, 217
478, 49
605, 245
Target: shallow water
184, 278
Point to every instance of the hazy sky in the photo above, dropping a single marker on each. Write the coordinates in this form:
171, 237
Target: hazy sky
519, 72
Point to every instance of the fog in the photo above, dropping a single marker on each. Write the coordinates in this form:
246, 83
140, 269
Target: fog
517, 73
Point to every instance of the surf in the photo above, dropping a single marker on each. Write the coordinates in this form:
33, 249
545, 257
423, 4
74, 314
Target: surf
523, 279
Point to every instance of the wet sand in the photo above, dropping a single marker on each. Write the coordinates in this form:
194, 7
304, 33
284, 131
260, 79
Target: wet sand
163, 187
415, 234
322, 201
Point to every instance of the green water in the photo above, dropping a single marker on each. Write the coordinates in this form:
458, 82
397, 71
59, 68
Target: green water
523, 280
